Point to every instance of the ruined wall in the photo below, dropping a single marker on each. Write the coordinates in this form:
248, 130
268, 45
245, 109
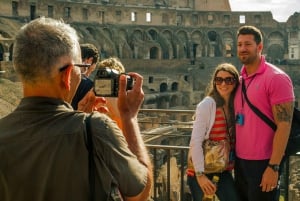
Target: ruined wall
175, 50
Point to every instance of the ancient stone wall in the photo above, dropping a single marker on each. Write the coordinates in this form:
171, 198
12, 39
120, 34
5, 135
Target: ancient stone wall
175, 49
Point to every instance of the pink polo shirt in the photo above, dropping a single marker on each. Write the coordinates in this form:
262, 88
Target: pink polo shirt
268, 86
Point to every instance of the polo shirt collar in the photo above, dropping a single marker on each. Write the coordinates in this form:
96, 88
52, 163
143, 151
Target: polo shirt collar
261, 69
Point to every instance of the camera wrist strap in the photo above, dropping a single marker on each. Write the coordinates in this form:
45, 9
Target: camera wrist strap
266, 119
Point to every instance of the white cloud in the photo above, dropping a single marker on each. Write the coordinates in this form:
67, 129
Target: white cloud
281, 9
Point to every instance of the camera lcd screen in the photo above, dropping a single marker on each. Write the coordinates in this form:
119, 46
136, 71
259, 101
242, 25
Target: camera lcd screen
103, 87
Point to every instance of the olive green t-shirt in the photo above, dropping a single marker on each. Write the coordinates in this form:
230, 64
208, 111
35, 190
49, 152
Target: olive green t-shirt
43, 154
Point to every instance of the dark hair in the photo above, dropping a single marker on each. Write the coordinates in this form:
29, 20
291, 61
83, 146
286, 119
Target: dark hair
89, 50
246, 30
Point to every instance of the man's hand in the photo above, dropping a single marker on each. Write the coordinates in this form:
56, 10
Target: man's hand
269, 180
91, 102
129, 102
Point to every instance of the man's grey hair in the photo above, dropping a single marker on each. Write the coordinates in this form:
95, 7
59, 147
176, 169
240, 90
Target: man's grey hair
40, 44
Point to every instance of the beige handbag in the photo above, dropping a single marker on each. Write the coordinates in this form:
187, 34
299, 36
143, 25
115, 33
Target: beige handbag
216, 155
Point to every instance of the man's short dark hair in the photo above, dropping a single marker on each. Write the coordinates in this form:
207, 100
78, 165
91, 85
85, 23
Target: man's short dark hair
89, 50
246, 30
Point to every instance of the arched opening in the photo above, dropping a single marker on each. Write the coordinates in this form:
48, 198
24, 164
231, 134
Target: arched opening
153, 53
163, 87
174, 101
174, 86
275, 54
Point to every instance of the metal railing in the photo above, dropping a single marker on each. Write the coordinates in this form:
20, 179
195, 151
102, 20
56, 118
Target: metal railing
291, 163
159, 192
162, 191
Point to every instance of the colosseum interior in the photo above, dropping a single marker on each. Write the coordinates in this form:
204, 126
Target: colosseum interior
174, 44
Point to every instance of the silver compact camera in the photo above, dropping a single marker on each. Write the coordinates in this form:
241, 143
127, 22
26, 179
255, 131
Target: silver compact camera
106, 82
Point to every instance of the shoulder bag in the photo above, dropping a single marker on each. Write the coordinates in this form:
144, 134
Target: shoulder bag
114, 194
216, 156
293, 145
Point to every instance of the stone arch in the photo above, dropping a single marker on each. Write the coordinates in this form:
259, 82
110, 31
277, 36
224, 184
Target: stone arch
124, 50
4, 35
196, 38
153, 34
163, 102
275, 54
137, 34
168, 48
86, 34
105, 38
154, 52
163, 87
185, 100
107, 32
275, 47
96, 36
275, 38
122, 34
182, 35
214, 49
212, 36
157, 44
228, 40
174, 86
150, 100
137, 43
174, 101
91, 30
182, 45
167, 34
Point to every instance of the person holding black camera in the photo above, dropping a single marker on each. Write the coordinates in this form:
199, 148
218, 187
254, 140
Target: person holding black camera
44, 146
107, 82
89, 55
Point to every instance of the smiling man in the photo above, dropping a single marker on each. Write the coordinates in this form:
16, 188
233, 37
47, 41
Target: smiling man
259, 149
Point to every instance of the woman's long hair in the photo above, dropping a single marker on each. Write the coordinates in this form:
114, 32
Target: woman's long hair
212, 91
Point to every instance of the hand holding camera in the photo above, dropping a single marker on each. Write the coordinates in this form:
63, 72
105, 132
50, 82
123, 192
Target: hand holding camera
130, 101
91, 103
106, 82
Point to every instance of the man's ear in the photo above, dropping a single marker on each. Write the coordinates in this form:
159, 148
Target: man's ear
260, 46
67, 77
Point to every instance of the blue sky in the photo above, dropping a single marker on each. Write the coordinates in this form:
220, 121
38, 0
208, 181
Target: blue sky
281, 9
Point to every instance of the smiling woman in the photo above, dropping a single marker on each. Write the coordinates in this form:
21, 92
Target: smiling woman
214, 122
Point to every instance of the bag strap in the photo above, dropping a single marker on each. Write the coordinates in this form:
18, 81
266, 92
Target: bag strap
90, 147
266, 119
114, 194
